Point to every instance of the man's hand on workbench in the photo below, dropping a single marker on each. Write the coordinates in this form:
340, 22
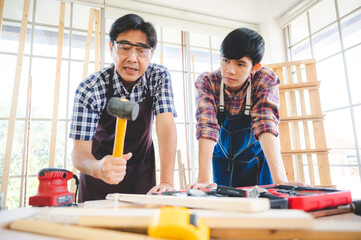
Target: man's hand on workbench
201, 185
162, 187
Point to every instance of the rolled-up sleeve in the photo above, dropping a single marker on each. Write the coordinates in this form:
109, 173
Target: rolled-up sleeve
85, 113
207, 124
265, 110
163, 96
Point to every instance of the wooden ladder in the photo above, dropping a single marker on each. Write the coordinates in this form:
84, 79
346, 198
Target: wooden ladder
300, 111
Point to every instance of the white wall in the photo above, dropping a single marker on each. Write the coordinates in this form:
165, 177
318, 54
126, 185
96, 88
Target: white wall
262, 12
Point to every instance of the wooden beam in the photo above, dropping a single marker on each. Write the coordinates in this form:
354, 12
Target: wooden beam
306, 130
135, 218
288, 64
96, 39
298, 86
88, 42
141, 218
295, 129
285, 137
54, 122
304, 118
1, 14
180, 169
306, 151
27, 143
85, 71
236, 204
14, 101
184, 174
185, 110
72, 231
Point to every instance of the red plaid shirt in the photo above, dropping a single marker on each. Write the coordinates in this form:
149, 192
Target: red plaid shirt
264, 102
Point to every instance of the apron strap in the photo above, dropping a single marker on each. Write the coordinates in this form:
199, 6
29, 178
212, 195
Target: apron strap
221, 108
247, 108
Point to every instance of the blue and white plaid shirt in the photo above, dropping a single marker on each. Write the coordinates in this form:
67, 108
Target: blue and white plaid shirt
90, 97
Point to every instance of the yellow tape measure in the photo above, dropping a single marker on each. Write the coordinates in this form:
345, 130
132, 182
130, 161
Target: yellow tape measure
178, 223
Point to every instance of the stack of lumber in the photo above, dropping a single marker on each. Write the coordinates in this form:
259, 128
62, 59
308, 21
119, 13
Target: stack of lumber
127, 216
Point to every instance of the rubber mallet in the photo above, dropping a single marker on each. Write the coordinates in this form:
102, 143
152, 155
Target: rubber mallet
123, 110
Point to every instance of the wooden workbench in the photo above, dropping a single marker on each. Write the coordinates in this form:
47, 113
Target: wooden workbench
344, 226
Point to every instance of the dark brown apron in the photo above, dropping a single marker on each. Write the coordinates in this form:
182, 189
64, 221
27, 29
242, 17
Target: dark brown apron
140, 173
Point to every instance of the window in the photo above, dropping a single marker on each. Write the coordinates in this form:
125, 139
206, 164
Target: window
334, 40
39, 66
39, 69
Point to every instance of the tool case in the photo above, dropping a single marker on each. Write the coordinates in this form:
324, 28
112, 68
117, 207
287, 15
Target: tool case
280, 196
310, 198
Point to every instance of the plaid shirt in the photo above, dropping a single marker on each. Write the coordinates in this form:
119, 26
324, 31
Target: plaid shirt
264, 102
90, 97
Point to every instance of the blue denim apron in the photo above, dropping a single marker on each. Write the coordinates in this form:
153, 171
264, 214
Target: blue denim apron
238, 159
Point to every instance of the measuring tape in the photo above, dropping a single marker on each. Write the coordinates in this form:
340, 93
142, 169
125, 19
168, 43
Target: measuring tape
177, 223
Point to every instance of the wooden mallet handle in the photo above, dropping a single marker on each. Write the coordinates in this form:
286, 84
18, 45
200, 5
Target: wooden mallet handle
120, 129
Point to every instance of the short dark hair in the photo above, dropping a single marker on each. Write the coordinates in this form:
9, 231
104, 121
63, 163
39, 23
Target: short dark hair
133, 22
243, 42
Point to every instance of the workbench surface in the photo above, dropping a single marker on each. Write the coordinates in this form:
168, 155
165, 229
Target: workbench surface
342, 226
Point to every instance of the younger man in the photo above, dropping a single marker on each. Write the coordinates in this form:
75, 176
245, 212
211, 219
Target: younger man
237, 117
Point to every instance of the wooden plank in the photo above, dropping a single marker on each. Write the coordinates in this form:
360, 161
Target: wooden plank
322, 232
247, 205
71, 231
314, 96
345, 226
14, 102
306, 151
318, 128
287, 64
311, 72
312, 86
300, 86
283, 99
279, 73
303, 118
295, 130
1, 14
96, 39
88, 42
85, 71
54, 121
285, 140
185, 109
141, 218
27, 143
324, 171
184, 174
306, 131
285, 143
180, 169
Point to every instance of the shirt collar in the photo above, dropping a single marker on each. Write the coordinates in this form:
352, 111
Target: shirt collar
242, 90
118, 87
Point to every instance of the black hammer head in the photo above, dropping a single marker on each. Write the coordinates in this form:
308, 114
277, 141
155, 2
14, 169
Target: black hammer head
122, 108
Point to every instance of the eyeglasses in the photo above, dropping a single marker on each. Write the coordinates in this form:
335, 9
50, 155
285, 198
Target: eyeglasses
126, 48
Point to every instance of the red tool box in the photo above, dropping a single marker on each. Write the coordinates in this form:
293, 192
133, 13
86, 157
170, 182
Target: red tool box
281, 196
310, 198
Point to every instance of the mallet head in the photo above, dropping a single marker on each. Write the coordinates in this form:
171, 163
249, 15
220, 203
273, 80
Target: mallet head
122, 108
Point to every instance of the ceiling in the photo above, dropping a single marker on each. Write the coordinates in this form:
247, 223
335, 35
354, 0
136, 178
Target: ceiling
254, 11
